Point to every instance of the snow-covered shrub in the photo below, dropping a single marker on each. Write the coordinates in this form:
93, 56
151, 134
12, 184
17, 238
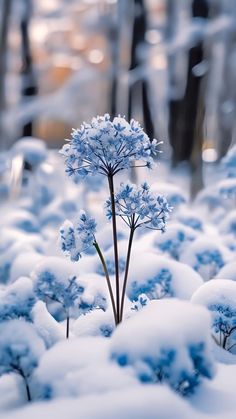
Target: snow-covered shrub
94, 323
206, 256
20, 350
23, 243
175, 239
228, 271
159, 277
21, 219
176, 196
229, 162
190, 219
55, 280
134, 402
170, 344
228, 224
17, 300
32, 149
45, 325
78, 367
23, 264
227, 189
219, 296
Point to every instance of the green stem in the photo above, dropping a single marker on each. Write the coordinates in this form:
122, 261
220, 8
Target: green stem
132, 230
115, 245
107, 279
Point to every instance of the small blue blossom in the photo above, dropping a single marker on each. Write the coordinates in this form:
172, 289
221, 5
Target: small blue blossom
156, 287
106, 147
66, 293
79, 238
141, 302
137, 206
209, 257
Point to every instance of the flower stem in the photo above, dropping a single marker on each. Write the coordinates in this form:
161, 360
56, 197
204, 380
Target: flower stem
115, 245
67, 326
132, 230
107, 279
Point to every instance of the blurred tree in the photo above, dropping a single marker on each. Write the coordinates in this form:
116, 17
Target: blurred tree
186, 114
5, 6
138, 91
29, 84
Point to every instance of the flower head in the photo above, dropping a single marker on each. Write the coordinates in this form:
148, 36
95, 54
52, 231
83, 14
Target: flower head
106, 147
79, 238
137, 206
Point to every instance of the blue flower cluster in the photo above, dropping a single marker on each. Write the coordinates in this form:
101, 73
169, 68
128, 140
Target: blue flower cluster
141, 302
209, 257
173, 245
161, 368
111, 266
224, 319
66, 293
79, 238
191, 221
106, 147
137, 206
156, 287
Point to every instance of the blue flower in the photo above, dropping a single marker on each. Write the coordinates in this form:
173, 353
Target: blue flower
137, 206
79, 238
106, 147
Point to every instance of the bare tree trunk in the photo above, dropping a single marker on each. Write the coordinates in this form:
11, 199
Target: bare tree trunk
183, 120
4, 29
139, 90
29, 84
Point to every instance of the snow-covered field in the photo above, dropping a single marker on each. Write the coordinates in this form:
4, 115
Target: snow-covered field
174, 353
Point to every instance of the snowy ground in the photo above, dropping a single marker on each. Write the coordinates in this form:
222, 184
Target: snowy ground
174, 355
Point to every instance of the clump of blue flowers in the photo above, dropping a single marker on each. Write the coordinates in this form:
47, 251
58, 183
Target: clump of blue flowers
107, 147
138, 207
67, 293
76, 239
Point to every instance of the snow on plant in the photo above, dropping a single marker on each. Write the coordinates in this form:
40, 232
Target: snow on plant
107, 147
32, 149
94, 323
14, 247
17, 300
74, 368
176, 197
228, 271
219, 296
229, 162
228, 224
190, 219
175, 240
206, 256
160, 277
181, 362
54, 280
20, 350
77, 239
227, 188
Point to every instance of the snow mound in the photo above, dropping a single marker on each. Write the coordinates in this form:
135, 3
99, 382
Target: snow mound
219, 296
181, 362
158, 277
228, 271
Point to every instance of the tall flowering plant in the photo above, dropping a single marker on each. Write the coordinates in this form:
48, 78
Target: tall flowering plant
108, 147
